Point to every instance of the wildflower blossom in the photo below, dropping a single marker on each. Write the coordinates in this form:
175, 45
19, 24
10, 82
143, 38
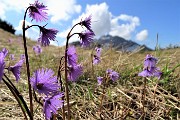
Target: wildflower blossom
150, 68
36, 11
3, 54
37, 49
72, 56
52, 104
98, 51
100, 80
96, 59
87, 23
46, 35
16, 69
150, 61
11, 56
43, 81
74, 72
149, 72
22, 57
86, 38
112, 74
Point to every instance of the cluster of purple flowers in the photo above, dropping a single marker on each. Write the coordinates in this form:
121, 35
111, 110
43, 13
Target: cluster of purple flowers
74, 69
46, 84
37, 49
113, 75
150, 68
14, 69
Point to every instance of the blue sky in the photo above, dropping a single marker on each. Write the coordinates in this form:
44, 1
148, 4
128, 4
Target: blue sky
136, 20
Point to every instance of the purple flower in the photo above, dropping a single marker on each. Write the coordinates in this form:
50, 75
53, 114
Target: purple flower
87, 23
16, 69
112, 74
36, 11
47, 35
86, 38
52, 104
3, 54
72, 56
43, 81
11, 56
22, 57
98, 51
150, 61
149, 72
37, 49
74, 72
96, 59
100, 80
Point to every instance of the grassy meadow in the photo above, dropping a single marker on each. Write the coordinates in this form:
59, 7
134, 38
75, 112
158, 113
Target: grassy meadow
122, 99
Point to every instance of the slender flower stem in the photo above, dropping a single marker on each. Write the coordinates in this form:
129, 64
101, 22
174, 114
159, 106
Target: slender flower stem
143, 98
27, 65
60, 81
66, 79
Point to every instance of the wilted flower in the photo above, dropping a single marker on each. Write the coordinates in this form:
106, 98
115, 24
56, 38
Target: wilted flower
47, 35
112, 74
36, 11
87, 23
52, 104
43, 81
74, 72
100, 80
86, 38
72, 56
16, 69
96, 59
3, 54
37, 49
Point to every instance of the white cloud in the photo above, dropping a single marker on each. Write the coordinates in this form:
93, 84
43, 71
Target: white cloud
101, 18
125, 29
62, 9
142, 35
103, 22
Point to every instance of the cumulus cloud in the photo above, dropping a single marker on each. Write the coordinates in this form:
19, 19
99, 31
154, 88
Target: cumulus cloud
142, 35
103, 22
125, 29
62, 9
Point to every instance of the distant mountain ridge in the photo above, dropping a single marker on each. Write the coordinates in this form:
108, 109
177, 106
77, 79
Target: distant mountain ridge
118, 43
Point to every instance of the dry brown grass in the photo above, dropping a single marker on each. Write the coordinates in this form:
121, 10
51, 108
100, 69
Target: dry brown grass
123, 98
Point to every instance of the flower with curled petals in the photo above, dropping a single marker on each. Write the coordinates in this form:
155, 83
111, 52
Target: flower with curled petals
44, 82
86, 38
36, 11
46, 35
87, 23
